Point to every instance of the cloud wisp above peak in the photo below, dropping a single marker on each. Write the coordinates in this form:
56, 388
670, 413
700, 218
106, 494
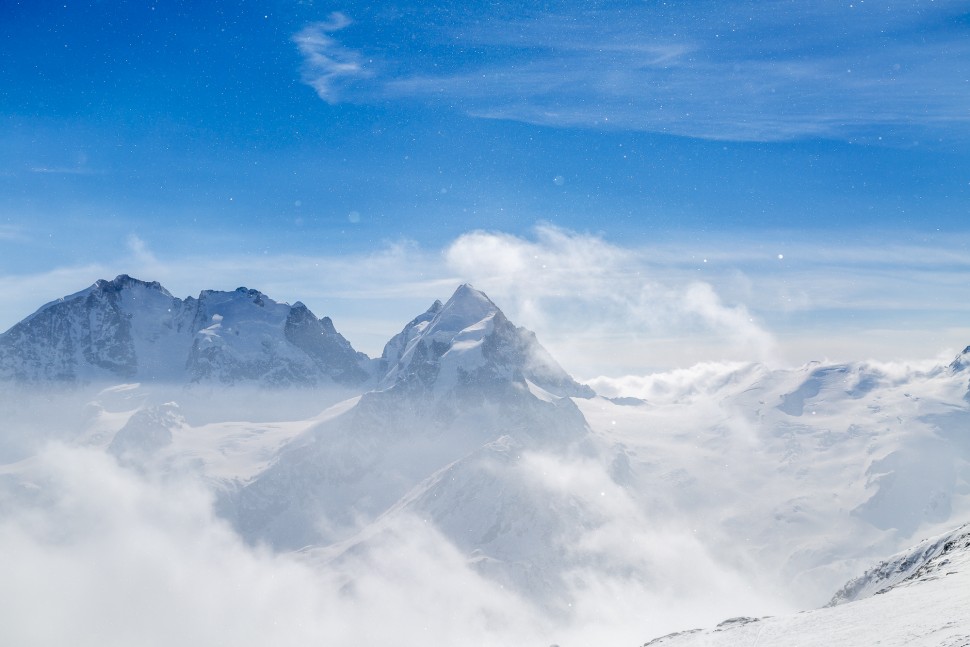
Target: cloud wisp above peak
740, 72
599, 290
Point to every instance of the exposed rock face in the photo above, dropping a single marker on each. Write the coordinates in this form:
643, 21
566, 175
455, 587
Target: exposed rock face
87, 334
928, 560
961, 361
130, 330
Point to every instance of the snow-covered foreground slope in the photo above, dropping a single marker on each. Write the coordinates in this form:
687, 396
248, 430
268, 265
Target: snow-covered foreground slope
919, 598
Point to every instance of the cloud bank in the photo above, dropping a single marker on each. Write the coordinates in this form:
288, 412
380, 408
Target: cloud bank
96, 554
109, 558
599, 290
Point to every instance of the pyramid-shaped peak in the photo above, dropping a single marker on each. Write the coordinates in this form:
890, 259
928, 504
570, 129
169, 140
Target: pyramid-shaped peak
467, 306
466, 291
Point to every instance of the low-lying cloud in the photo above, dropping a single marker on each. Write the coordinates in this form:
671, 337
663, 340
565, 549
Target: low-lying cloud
96, 554
101, 556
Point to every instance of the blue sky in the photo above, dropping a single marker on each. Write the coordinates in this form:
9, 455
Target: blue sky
209, 145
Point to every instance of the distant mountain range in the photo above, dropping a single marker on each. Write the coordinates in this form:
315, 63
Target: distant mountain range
131, 330
459, 389
136, 331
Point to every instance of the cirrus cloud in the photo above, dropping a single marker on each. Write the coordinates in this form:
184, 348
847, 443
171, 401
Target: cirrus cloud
327, 65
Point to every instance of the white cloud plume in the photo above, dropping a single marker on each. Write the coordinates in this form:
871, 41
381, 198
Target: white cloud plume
140, 252
102, 556
575, 286
636, 572
700, 381
327, 65
735, 321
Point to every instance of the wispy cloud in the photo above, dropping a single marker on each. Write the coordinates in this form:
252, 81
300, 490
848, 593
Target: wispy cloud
327, 65
63, 170
12, 233
599, 290
769, 71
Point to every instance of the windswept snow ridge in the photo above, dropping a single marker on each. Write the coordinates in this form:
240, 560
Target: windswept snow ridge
928, 560
918, 598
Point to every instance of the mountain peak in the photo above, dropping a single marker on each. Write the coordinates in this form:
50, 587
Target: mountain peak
466, 292
129, 329
468, 341
123, 281
466, 307
961, 361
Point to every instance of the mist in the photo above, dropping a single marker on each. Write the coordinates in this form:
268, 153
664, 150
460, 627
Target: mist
102, 549
467, 490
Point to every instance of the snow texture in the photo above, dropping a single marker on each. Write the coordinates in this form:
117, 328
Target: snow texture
919, 597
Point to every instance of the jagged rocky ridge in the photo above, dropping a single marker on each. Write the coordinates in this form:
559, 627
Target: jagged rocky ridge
930, 559
916, 597
131, 330
136, 331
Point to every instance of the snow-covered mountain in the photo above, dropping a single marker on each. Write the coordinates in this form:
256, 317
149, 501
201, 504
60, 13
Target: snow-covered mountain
468, 344
464, 388
131, 330
810, 472
741, 486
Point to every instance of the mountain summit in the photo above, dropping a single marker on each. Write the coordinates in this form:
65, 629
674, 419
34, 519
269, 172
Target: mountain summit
467, 342
127, 330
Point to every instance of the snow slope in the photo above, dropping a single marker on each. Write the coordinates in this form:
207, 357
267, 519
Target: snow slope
919, 598
811, 473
